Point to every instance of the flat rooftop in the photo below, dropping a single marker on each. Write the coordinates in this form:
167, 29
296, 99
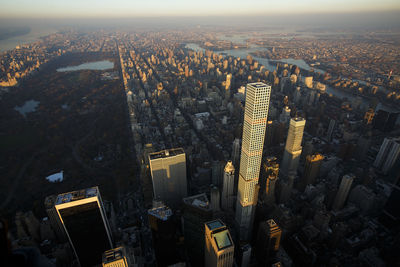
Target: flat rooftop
162, 213
258, 84
77, 195
220, 234
198, 201
166, 153
113, 255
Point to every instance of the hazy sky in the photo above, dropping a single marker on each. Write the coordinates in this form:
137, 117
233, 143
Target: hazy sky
136, 8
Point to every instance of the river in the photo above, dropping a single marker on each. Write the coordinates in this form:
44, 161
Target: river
242, 53
33, 36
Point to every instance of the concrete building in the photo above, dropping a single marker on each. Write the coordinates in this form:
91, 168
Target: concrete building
219, 247
84, 220
215, 198
196, 211
343, 192
116, 257
236, 152
268, 241
311, 169
228, 184
308, 81
291, 155
255, 119
270, 171
168, 173
388, 154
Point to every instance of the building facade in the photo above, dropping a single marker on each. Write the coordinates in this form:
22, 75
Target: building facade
228, 184
219, 247
343, 192
168, 173
255, 119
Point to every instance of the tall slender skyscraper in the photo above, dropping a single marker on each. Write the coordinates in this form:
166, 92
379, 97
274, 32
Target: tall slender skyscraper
293, 148
219, 246
85, 224
268, 241
271, 171
227, 187
343, 192
255, 119
388, 154
168, 172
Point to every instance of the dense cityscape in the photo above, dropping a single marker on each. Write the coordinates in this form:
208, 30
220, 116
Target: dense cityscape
201, 146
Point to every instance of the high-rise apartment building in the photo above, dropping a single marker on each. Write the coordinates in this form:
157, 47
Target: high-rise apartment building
311, 169
291, 155
219, 247
228, 81
388, 154
343, 192
255, 119
227, 196
85, 223
268, 241
331, 128
168, 173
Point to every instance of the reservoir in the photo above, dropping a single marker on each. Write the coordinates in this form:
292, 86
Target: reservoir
98, 65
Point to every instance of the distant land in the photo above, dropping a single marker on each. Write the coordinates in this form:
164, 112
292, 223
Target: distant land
9, 32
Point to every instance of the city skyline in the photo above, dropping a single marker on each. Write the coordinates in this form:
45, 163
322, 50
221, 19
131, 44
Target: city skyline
124, 8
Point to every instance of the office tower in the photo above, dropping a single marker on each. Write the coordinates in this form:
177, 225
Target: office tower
56, 224
186, 71
388, 154
331, 128
390, 216
228, 81
291, 155
216, 172
268, 241
196, 211
297, 95
245, 255
271, 171
255, 119
311, 169
286, 187
163, 233
369, 116
269, 135
343, 192
83, 216
215, 206
285, 115
168, 172
219, 247
236, 151
228, 187
116, 257
308, 81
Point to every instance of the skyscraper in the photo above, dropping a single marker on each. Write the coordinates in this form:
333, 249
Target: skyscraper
228, 81
219, 247
168, 172
85, 223
331, 128
255, 119
271, 171
268, 241
343, 192
215, 198
236, 151
311, 169
388, 154
228, 186
196, 211
291, 155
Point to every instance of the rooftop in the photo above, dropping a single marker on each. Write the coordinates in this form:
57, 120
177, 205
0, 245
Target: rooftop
163, 213
199, 201
220, 234
166, 153
258, 84
77, 195
113, 255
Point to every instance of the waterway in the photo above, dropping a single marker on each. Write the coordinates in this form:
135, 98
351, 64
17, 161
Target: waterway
97, 65
33, 36
27, 107
242, 53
